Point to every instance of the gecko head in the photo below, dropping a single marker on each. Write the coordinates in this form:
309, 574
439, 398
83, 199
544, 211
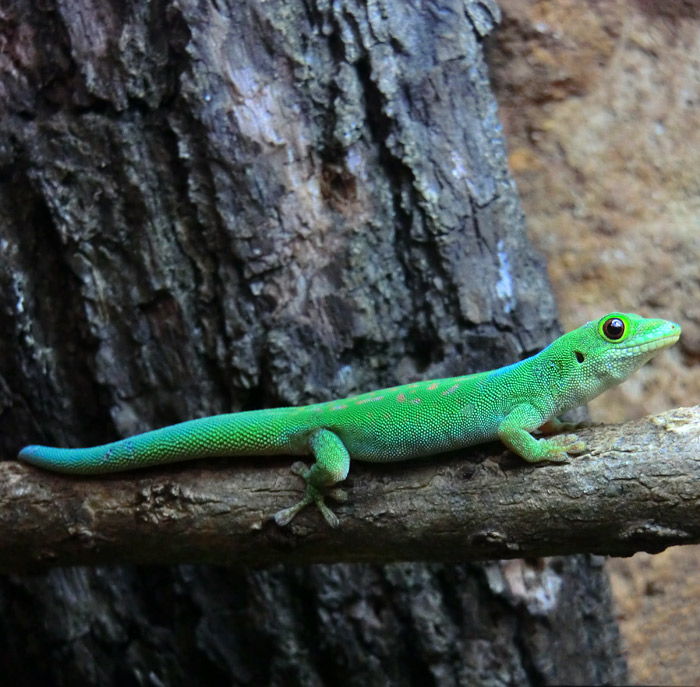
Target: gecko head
607, 351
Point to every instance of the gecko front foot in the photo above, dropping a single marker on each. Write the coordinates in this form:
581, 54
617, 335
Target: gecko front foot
557, 448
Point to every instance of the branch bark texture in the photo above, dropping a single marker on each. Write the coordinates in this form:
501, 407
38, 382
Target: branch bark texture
637, 490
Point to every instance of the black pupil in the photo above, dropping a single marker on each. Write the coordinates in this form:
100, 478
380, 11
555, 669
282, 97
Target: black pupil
614, 328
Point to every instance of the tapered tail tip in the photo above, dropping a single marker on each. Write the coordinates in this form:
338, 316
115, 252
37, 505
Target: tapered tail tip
29, 453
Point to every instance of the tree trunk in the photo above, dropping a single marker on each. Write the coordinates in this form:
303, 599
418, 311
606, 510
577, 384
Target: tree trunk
209, 207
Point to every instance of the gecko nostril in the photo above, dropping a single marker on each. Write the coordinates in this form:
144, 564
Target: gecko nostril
579, 356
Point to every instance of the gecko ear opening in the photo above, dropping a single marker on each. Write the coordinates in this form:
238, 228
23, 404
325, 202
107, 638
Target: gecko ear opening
579, 356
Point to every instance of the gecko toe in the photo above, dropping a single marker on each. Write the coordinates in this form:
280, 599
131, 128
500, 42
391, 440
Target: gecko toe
301, 469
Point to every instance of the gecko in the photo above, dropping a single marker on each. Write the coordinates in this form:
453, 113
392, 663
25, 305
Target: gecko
402, 422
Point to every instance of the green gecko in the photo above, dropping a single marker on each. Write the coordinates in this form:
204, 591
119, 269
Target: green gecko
403, 422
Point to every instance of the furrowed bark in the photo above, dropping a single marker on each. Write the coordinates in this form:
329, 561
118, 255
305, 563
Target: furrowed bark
213, 206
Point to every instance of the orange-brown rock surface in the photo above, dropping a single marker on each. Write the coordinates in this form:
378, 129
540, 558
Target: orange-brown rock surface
601, 106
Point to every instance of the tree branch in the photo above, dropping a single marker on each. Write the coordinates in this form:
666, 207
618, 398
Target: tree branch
637, 490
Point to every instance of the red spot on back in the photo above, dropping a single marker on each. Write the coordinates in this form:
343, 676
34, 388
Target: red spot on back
369, 400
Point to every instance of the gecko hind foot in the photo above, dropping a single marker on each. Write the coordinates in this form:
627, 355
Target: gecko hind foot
286, 515
312, 495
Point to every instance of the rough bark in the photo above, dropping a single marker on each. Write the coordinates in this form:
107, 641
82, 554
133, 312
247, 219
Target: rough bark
449, 509
209, 207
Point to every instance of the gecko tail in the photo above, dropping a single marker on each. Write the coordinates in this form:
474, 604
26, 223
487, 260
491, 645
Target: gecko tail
235, 434
115, 457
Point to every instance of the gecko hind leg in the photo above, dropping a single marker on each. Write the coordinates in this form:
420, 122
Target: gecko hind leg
331, 466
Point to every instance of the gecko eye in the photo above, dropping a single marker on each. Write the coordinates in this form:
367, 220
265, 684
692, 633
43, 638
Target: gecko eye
614, 328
